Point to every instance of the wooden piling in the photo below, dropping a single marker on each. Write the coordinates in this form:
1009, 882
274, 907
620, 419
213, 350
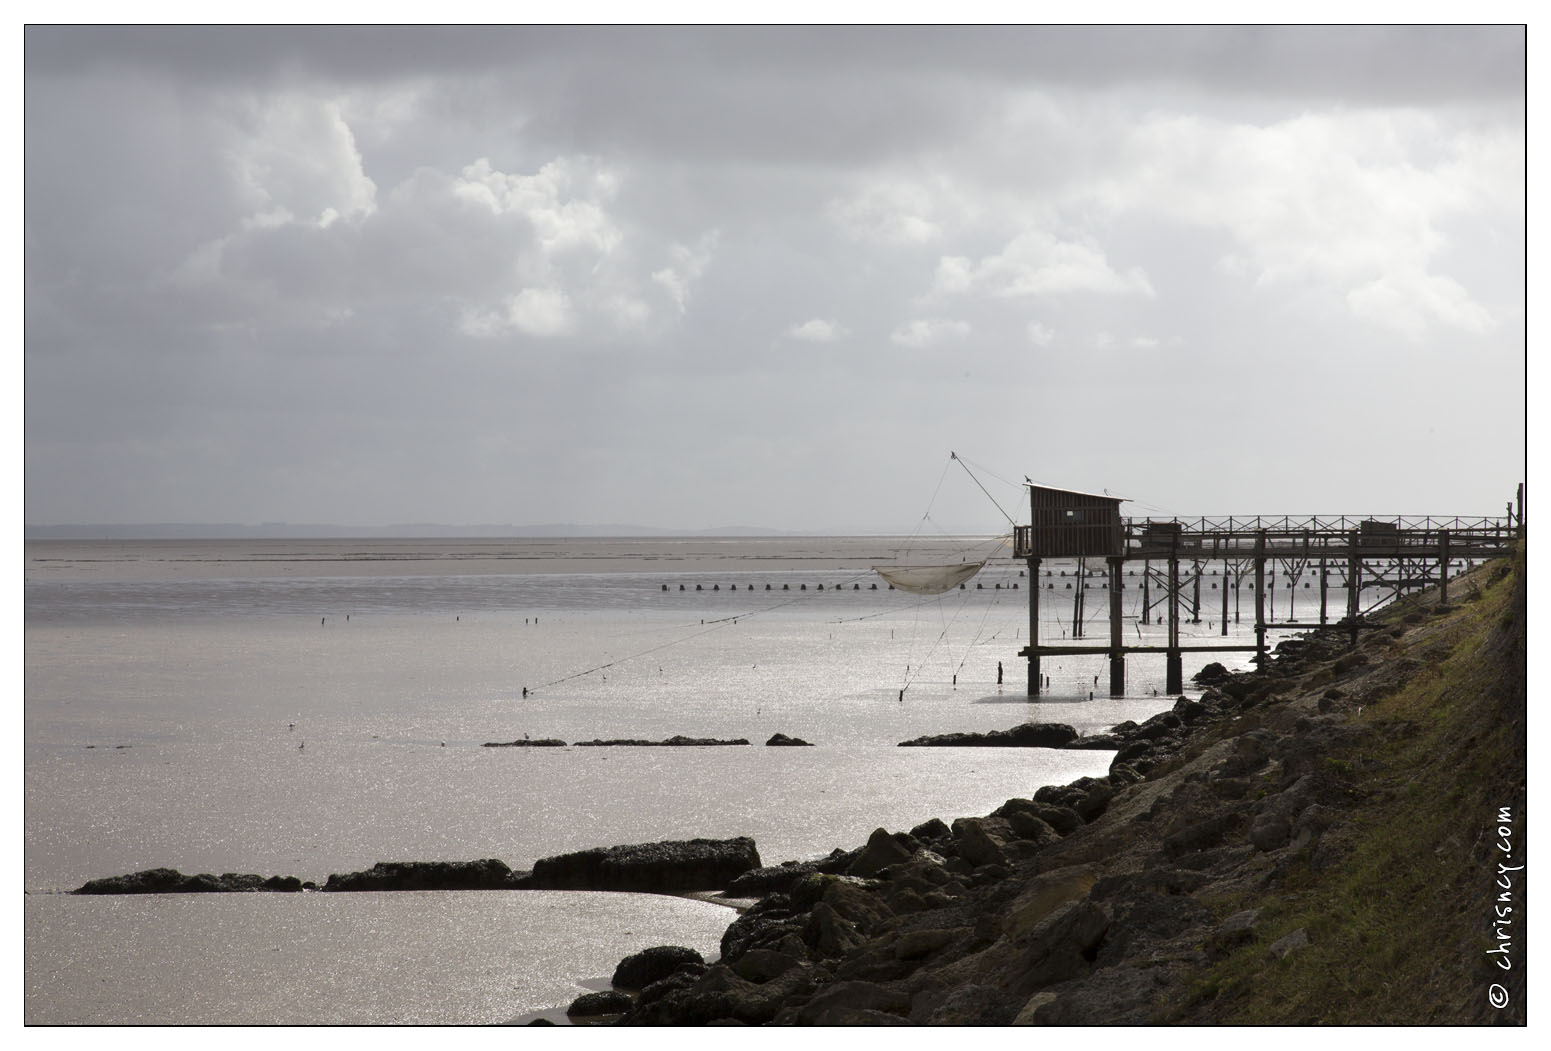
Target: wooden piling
1033, 631
1260, 599
1117, 661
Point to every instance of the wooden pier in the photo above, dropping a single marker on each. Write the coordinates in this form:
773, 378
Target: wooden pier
1391, 554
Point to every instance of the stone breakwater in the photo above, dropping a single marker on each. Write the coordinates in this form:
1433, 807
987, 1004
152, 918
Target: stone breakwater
1088, 903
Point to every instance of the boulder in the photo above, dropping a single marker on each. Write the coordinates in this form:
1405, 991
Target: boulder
934, 829
590, 1005
765, 925
836, 1001
981, 840
641, 969
1059, 947
756, 883
881, 851
1284, 947
668, 867
1269, 831
1214, 674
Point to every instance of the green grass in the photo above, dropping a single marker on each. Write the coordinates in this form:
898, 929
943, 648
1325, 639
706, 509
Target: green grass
1398, 929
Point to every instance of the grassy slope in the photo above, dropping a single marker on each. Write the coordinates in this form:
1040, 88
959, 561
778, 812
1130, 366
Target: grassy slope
1398, 931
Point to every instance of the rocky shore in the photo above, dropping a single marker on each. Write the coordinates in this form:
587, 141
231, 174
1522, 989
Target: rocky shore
1220, 872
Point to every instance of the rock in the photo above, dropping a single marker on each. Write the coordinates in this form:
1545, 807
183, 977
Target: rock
1122, 774
934, 829
1201, 835
756, 883
676, 741
1238, 929
1269, 831
641, 969
1122, 995
590, 1005
1214, 674
678, 981
1059, 947
831, 934
974, 1004
171, 881
1149, 919
1285, 946
1043, 895
1094, 801
782, 739
488, 874
761, 965
765, 925
1188, 711
661, 868
1026, 735
1098, 742
918, 944
1025, 825
881, 851
832, 1004
543, 742
1314, 820
980, 841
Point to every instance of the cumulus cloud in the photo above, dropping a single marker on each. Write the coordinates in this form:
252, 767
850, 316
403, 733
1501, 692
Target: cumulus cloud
296, 161
1409, 303
1035, 263
896, 213
687, 264
564, 201
1357, 203
816, 330
929, 331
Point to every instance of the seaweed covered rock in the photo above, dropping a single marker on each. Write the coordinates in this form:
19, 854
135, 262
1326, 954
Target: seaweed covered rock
487, 874
668, 867
1026, 735
641, 969
171, 881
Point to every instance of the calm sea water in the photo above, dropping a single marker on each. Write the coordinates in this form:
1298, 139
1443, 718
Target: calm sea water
308, 707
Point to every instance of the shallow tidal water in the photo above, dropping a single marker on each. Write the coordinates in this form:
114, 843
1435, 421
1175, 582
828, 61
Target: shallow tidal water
308, 707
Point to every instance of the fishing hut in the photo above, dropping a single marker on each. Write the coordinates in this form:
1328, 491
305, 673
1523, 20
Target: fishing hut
1065, 523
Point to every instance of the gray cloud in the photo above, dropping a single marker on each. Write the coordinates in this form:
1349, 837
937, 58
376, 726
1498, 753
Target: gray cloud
695, 277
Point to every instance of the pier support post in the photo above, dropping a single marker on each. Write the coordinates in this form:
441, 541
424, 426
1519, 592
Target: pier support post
1260, 600
1146, 591
1117, 661
1034, 628
1174, 674
1354, 584
1225, 598
1443, 567
1323, 590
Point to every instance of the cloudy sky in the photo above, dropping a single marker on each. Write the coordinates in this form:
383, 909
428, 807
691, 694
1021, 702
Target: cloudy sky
697, 278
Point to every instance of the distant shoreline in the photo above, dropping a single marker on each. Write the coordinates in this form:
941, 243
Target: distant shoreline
419, 531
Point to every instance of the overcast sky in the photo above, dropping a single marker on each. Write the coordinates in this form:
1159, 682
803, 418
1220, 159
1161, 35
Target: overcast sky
696, 278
